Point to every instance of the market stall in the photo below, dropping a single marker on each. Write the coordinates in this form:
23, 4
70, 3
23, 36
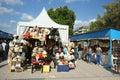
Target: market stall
40, 33
108, 40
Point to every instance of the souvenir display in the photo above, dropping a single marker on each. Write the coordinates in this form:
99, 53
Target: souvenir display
39, 58
116, 56
34, 48
16, 55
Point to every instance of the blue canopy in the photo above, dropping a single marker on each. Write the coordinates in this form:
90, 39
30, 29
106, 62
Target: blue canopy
106, 33
5, 35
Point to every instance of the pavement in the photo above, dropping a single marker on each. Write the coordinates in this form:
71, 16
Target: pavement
83, 71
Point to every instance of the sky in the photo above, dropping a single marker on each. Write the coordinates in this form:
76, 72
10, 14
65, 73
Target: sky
14, 11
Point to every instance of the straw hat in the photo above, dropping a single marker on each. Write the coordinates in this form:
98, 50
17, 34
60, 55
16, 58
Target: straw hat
72, 50
40, 49
11, 48
33, 54
31, 29
35, 50
14, 35
44, 52
11, 44
61, 54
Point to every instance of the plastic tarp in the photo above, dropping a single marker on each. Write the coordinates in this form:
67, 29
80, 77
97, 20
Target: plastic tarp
43, 20
106, 33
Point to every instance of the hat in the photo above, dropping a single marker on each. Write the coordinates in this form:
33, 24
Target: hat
31, 29
40, 49
11, 44
35, 50
44, 52
14, 35
61, 54
33, 54
72, 50
11, 48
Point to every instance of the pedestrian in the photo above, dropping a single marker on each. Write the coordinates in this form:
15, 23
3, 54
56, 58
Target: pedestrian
84, 53
98, 54
1, 50
80, 50
76, 51
89, 54
65, 49
4, 44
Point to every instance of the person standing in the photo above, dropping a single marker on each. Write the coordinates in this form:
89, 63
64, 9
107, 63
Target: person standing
89, 54
65, 49
1, 50
4, 44
76, 51
98, 54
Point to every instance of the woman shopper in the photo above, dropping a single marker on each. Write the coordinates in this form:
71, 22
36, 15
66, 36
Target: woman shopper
98, 54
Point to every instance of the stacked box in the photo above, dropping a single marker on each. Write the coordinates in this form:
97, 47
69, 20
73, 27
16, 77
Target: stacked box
46, 68
62, 68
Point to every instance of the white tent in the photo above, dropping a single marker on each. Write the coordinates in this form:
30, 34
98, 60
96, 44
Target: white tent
43, 20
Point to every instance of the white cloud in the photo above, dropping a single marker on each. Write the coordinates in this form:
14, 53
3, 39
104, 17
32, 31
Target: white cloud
13, 2
92, 20
4, 25
80, 23
5, 10
12, 21
9, 27
26, 17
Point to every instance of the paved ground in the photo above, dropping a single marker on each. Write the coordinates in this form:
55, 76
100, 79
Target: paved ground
83, 71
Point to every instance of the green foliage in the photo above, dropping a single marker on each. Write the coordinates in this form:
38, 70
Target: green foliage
110, 19
63, 15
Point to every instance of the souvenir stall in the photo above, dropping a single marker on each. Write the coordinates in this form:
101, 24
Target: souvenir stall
108, 39
44, 33
40, 38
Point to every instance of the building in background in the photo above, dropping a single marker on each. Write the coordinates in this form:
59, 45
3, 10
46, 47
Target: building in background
81, 30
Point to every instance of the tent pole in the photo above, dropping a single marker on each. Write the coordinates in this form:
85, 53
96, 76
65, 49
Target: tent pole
110, 54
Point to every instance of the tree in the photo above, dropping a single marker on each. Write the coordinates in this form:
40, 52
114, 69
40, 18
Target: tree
112, 14
98, 24
63, 15
110, 19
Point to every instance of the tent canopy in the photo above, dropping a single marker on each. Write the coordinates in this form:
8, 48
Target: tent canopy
43, 20
5, 35
106, 33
